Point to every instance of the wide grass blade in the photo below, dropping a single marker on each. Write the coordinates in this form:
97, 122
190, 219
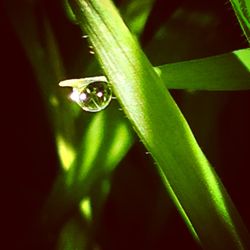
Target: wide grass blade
188, 176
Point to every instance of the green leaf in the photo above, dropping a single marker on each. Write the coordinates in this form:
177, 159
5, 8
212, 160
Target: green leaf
242, 11
229, 71
188, 176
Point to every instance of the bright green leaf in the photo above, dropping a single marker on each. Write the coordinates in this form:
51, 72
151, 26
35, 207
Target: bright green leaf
189, 178
242, 11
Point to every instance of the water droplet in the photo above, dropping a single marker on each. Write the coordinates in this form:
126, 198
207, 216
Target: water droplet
93, 94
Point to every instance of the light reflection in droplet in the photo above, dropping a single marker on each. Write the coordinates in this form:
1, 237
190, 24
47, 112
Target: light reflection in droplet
82, 97
74, 96
99, 94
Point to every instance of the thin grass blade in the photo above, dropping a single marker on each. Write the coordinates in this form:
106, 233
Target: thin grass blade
242, 11
225, 72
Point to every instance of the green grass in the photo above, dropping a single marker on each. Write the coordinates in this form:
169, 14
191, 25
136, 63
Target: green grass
242, 11
91, 148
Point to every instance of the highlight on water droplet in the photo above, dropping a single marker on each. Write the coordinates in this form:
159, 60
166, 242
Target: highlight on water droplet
74, 96
93, 94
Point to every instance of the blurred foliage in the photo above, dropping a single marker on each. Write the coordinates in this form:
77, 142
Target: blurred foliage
128, 204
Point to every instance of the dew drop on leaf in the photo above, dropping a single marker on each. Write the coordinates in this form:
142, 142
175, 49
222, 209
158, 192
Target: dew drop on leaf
93, 94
